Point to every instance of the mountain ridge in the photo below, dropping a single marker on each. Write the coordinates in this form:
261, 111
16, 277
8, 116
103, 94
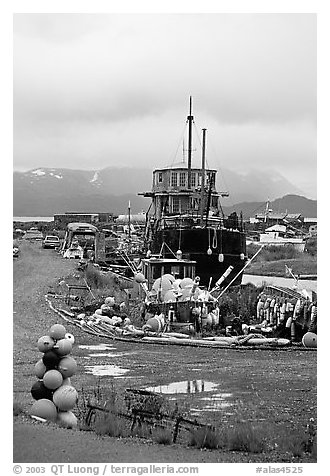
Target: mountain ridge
46, 191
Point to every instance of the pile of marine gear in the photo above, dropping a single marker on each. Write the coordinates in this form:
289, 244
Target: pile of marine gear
177, 311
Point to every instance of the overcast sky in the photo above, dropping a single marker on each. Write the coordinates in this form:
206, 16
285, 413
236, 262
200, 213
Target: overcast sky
96, 90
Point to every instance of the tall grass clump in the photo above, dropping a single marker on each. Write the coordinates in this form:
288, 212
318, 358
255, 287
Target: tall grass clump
243, 437
110, 425
17, 409
207, 438
162, 436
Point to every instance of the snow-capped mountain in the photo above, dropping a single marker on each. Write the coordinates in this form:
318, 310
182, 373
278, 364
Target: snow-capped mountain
45, 191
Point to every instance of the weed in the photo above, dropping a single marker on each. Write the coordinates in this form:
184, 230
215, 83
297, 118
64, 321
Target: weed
205, 438
17, 409
111, 425
243, 437
162, 436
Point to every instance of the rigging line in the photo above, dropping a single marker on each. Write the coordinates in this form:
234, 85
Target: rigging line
180, 142
221, 174
180, 230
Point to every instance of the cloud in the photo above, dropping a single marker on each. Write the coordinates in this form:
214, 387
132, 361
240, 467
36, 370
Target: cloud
87, 85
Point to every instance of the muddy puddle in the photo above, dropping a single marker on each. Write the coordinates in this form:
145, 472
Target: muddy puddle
205, 400
185, 386
106, 369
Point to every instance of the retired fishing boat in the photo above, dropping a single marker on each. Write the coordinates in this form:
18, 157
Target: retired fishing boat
186, 218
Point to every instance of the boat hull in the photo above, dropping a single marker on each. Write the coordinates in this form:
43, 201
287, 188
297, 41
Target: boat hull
195, 243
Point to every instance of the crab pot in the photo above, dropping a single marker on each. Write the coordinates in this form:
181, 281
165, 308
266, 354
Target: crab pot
65, 398
39, 391
44, 408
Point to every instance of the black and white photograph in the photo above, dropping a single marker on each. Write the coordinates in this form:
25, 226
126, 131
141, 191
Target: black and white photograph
164, 242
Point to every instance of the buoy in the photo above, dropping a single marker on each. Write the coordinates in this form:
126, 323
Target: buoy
309, 340
52, 379
57, 331
139, 278
186, 282
67, 419
221, 258
70, 337
44, 408
209, 251
39, 369
98, 312
45, 343
65, 397
154, 324
107, 320
39, 391
51, 359
109, 301
63, 347
67, 366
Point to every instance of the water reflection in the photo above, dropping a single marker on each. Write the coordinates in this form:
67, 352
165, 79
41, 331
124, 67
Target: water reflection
107, 369
185, 386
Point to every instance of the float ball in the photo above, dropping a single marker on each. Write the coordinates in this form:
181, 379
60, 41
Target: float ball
63, 347
109, 301
44, 408
39, 369
39, 391
67, 366
57, 331
45, 343
52, 379
70, 337
51, 359
65, 397
107, 320
67, 419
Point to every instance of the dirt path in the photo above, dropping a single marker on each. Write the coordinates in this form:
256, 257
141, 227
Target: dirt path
35, 272
281, 386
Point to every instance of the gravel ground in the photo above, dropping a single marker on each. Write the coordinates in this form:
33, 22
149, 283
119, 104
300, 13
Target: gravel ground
274, 389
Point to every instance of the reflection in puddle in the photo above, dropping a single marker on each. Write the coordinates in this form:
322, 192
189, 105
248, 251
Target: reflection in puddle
97, 347
215, 403
186, 386
107, 369
110, 354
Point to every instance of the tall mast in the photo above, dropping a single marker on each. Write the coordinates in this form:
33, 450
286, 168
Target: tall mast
203, 174
190, 119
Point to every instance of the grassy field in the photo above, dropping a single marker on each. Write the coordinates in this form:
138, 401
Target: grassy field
270, 395
272, 260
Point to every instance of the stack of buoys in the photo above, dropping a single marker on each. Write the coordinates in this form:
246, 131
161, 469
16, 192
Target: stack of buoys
54, 395
110, 312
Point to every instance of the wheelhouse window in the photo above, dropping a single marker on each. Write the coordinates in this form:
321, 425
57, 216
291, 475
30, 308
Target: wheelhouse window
193, 179
174, 179
176, 205
160, 177
182, 179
